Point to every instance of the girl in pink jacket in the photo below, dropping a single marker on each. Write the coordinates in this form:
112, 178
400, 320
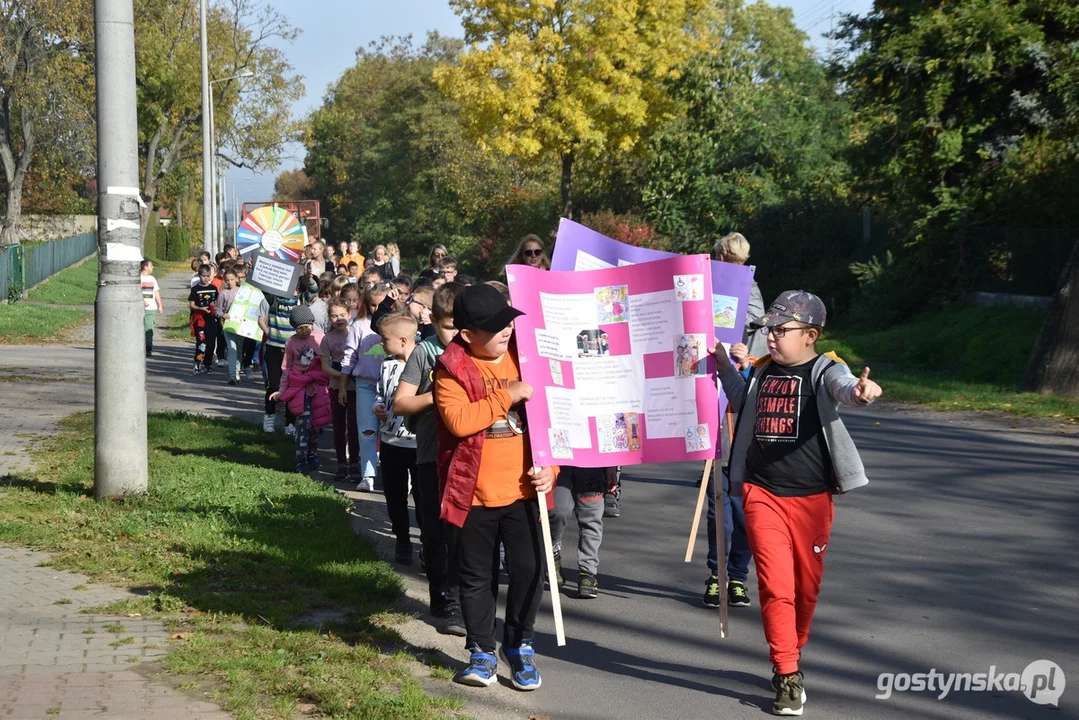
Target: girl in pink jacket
304, 387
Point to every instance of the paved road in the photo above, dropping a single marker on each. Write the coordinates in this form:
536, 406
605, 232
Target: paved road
959, 555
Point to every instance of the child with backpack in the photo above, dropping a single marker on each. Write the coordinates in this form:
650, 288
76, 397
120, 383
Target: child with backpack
790, 455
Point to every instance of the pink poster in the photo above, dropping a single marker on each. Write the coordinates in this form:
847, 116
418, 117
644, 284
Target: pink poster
619, 362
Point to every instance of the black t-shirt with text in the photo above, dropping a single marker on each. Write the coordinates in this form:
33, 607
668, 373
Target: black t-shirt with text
788, 455
203, 295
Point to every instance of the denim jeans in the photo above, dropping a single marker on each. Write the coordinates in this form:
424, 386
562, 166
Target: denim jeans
367, 424
734, 527
233, 343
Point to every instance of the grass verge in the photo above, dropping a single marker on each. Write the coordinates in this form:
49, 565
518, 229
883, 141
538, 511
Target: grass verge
26, 324
177, 326
965, 358
232, 550
76, 285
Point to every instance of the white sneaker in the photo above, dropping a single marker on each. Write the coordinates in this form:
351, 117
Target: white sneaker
290, 430
268, 423
366, 485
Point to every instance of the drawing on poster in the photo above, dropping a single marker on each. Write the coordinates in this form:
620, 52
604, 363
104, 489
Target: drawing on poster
697, 438
633, 429
561, 448
724, 311
556, 372
620, 432
612, 304
689, 355
592, 343
689, 287
605, 433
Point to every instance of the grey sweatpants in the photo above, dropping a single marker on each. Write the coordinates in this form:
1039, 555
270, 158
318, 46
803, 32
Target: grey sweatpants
577, 492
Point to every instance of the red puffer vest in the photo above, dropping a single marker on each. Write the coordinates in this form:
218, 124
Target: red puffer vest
459, 458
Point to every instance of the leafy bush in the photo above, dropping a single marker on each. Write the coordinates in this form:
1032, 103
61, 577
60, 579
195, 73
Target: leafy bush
630, 228
169, 242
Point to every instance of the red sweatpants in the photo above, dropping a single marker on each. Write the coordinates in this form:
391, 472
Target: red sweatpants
789, 538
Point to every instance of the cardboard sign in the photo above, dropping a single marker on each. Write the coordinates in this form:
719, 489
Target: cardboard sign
618, 360
274, 276
243, 317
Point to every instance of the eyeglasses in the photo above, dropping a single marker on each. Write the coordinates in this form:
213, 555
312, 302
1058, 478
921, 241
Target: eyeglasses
413, 301
532, 253
780, 332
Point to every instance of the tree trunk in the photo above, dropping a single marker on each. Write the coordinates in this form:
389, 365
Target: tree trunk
1054, 361
9, 234
567, 182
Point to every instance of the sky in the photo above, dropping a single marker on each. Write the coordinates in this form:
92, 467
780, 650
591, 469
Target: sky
334, 29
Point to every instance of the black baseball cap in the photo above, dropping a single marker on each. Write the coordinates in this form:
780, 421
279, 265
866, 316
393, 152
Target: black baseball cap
797, 305
482, 307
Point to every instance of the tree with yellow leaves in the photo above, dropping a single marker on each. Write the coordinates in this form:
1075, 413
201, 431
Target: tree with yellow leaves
570, 77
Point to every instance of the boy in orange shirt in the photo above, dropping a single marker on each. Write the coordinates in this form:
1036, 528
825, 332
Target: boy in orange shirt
489, 485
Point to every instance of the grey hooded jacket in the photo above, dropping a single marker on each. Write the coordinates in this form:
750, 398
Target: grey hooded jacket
833, 379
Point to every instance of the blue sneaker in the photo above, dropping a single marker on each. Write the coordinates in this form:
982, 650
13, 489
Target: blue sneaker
522, 664
480, 671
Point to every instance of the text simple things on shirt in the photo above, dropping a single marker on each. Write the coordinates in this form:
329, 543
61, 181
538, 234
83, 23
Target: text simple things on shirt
778, 409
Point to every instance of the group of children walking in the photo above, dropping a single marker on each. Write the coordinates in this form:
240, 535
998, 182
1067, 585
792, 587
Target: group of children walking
422, 382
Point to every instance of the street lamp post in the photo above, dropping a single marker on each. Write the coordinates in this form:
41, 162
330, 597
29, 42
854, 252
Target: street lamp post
217, 203
207, 152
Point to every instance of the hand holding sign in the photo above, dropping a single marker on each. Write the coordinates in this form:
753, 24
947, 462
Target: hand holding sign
866, 391
542, 479
720, 354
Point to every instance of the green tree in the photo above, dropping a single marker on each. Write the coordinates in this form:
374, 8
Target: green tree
966, 116
291, 185
252, 116
761, 128
46, 94
570, 78
387, 156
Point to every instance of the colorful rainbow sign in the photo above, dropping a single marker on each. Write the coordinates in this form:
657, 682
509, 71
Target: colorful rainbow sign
273, 231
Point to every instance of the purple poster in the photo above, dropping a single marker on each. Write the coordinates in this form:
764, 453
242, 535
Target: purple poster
579, 248
618, 360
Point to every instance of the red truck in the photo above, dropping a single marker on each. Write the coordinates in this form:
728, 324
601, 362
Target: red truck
306, 211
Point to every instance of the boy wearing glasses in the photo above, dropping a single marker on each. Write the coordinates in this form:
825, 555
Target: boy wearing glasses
447, 269
419, 305
790, 454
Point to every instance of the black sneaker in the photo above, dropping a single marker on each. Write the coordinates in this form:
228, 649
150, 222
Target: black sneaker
790, 694
737, 595
610, 506
587, 586
711, 592
231, 381
403, 553
454, 623
342, 473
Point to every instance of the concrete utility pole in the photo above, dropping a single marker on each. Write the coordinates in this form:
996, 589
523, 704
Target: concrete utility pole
120, 455
207, 150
